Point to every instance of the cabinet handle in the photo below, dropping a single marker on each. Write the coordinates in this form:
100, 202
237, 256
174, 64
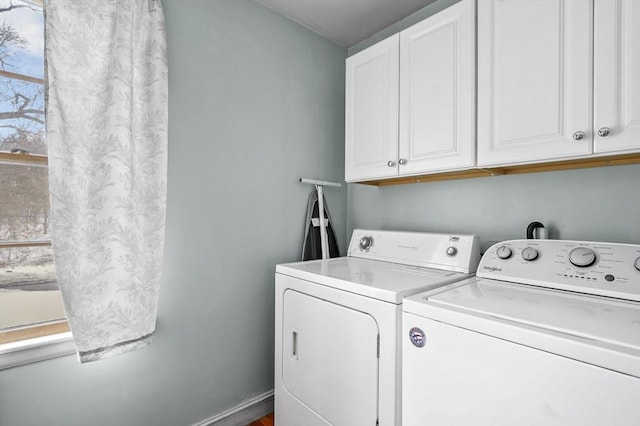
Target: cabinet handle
578, 136
604, 131
391, 163
402, 162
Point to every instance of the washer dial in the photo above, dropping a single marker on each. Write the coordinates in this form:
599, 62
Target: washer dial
582, 257
637, 263
503, 252
452, 251
529, 254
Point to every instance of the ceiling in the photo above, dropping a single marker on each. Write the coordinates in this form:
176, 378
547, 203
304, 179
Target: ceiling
346, 22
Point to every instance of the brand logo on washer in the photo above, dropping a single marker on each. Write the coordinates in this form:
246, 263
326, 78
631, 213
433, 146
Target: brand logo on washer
492, 269
417, 337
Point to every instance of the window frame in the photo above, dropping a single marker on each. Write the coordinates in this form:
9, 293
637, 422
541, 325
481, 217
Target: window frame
30, 344
25, 345
36, 349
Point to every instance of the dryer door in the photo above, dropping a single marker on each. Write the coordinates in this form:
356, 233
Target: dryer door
330, 359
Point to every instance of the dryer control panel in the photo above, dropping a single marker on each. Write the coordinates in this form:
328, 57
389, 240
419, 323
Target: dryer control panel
605, 269
451, 252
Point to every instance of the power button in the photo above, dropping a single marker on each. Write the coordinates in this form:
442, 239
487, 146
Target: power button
609, 277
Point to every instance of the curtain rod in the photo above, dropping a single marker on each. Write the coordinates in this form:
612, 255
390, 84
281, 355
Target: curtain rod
320, 182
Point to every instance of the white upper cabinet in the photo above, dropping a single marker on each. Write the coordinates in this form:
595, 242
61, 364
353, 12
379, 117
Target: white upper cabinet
410, 100
371, 122
557, 79
534, 80
616, 76
437, 92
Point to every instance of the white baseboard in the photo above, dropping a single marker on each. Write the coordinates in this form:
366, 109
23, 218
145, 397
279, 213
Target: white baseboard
244, 413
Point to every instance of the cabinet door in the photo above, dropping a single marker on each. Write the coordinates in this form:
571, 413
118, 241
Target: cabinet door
437, 92
371, 126
534, 80
617, 76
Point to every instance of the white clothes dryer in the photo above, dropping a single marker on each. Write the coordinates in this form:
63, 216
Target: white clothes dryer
546, 333
337, 329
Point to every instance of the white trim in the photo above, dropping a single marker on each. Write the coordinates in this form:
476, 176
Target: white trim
37, 349
244, 413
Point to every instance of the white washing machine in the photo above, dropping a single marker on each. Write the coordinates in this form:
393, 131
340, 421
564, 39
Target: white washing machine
547, 333
337, 330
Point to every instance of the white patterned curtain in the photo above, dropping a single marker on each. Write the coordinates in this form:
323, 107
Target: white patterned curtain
107, 135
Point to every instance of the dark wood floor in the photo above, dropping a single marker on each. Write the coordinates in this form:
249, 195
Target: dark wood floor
264, 421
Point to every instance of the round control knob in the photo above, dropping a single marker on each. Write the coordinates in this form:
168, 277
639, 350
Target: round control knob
582, 257
452, 251
529, 254
637, 263
366, 242
503, 252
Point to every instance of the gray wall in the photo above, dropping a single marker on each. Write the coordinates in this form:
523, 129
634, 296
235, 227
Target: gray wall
256, 102
600, 204
414, 18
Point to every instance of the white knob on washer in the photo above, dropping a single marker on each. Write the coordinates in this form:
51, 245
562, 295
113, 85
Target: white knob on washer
529, 254
503, 252
637, 263
582, 257
452, 251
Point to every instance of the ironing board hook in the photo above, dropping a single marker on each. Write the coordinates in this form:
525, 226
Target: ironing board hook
323, 231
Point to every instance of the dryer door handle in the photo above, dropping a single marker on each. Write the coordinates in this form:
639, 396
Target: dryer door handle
294, 344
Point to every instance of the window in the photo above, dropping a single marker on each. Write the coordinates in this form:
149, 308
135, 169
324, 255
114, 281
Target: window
30, 301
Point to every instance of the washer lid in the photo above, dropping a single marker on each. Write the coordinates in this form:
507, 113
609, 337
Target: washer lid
386, 281
591, 317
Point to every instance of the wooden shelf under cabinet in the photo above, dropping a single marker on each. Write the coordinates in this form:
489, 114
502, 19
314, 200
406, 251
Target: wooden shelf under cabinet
617, 160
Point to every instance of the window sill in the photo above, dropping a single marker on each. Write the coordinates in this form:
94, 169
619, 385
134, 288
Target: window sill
40, 348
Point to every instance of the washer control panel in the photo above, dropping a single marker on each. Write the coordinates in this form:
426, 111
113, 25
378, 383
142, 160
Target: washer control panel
452, 252
605, 269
